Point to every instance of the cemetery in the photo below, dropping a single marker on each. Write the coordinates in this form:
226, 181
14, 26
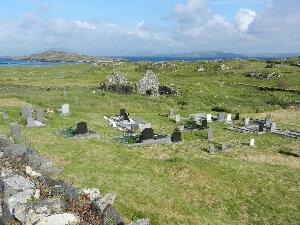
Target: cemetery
217, 153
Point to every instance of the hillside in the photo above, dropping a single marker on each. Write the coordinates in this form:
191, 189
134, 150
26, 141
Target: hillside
178, 183
60, 56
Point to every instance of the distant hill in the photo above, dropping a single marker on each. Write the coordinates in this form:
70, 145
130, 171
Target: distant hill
208, 54
60, 56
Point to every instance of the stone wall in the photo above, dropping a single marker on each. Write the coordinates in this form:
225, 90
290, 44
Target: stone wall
29, 194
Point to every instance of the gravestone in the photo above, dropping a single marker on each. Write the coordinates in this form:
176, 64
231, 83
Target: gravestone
5, 116
261, 127
237, 116
16, 130
268, 121
211, 148
252, 143
210, 134
176, 136
147, 134
40, 115
171, 113
204, 124
126, 117
122, 112
177, 118
229, 118
181, 128
273, 127
31, 122
82, 128
65, 109
221, 117
208, 117
247, 121
65, 92
26, 111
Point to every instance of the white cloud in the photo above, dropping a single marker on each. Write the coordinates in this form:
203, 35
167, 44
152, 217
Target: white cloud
244, 18
85, 25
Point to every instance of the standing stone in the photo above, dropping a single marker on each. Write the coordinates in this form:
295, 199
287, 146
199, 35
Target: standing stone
26, 111
176, 136
16, 130
122, 112
237, 116
147, 134
177, 119
268, 121
210, 134
273, 127
65, 109
40, 115
252, 143
208, 117
247, 121
204, 124
221, 117
82, 128
5, 116
31, 122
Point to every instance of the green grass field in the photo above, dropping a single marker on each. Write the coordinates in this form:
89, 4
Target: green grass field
177, 183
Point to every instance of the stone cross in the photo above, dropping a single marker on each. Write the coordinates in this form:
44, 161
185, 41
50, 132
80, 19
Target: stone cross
210, 134
40, 115
26, 111
16, 130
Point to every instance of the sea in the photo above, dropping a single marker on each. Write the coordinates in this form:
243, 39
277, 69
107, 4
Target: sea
11, 62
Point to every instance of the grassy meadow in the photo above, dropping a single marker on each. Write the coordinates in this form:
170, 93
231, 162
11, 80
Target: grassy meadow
172, 183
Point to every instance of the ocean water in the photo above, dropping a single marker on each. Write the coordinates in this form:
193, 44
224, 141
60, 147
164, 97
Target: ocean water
10, 62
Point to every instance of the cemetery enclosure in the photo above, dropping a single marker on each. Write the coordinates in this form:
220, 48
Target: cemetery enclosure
171, 184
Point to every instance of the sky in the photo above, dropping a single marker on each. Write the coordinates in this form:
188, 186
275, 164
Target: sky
139, 27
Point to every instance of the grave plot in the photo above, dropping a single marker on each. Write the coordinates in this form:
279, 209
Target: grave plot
37, 121
148, 137
81, 131
125, 123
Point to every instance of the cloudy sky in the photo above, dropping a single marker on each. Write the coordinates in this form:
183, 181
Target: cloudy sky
128, 27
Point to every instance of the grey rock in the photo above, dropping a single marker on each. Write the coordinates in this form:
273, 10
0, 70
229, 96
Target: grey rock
111, 216
4, 141
60, 219
13, 184
145, 221
14, 150
149, 84
16, 130
100, 204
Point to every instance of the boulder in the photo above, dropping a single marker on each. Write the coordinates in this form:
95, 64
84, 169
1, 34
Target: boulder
60, 219
100, 204
14, 150
4, 141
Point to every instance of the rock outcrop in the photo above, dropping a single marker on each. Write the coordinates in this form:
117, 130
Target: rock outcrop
29, 195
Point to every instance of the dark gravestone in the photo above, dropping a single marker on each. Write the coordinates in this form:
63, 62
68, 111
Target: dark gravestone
147, 134
237, 116
82, 128
204, 124
122, 112
176, 136
261, 127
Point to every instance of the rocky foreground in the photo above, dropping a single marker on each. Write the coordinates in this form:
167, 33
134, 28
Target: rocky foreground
28, 194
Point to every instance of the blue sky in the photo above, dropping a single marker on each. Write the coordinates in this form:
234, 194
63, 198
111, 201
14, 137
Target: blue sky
128, 27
